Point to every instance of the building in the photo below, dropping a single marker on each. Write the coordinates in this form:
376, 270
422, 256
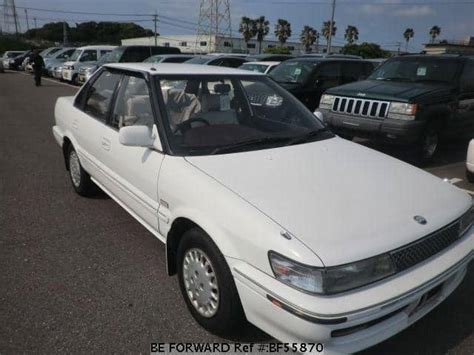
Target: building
465, 46
188, 44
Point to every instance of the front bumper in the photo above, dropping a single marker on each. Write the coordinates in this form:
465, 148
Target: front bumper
387, 130
68, 74
354, 320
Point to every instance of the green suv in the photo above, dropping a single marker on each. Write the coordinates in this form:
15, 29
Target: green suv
413, 100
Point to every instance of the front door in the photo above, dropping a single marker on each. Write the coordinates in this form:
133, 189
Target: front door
464, 116
133, 171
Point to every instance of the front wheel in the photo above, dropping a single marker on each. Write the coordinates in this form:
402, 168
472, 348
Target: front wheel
80, 179
207, 284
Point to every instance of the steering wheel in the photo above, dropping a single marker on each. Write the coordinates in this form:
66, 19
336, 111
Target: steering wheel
186, 125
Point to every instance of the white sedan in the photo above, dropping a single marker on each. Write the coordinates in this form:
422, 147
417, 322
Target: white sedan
266, 215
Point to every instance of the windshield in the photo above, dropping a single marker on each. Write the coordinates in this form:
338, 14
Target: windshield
153, 59
75, 56
416, 69
198, 60
296, 72
110, 57
216, 115
259, 68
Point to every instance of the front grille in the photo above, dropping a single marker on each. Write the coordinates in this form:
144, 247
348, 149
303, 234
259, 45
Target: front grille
361, 107
414, 253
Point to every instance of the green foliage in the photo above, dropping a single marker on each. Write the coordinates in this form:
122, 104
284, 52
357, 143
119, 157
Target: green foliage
247, 28
89, 32
308, 36
282, 30
277, 50
327, 28
12, 43
365, 50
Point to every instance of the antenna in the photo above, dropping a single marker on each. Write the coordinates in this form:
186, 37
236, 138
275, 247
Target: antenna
213, 25
10, 17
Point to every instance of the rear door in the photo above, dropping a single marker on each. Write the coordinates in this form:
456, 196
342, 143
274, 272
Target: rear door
92, 107
132, 171
326, 76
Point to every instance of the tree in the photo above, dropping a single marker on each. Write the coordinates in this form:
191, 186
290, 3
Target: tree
247, 28
277, 50
409, 33
434, 32
262, 28
327, 28
352, 34
308, 36
365, 50
282, 31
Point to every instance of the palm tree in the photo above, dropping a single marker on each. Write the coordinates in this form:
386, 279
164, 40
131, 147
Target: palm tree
247, 28
327, 28
308, 36
262, 28
409, 33
282, 30
352, 34
434, 32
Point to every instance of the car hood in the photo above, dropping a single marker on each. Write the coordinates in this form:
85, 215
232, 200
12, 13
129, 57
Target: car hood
387, 90
344, 201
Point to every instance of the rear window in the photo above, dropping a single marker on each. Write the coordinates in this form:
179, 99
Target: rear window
295, 72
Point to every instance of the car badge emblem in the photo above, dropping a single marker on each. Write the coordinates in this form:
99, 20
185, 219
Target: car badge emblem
361, 94
420, 219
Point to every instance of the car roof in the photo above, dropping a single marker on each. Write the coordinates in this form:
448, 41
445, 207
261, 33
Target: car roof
98, 47
172, 55
178, 69
316, 59
264, 62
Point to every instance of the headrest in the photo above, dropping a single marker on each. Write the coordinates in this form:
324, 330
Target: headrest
210, 103
222, 88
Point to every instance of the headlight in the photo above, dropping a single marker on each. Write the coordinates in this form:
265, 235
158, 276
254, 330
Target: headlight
327, 101
402, 111
334, 279
466, 221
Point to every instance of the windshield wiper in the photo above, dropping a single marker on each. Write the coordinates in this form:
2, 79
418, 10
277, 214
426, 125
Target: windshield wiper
254, 142
310, 136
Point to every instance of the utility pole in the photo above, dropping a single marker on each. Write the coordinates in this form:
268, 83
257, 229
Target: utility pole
214, 24
155, 20
64, 34
27, 22
331, 26
399, 45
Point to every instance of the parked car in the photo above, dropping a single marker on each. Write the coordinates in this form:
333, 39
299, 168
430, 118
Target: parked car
308, 78
260, 67
279, 243
82, 56
16, 63
169, 58
330, 55
125, 54
470, 162
57, 58
268, 57
230, 61
9, 55
413, 100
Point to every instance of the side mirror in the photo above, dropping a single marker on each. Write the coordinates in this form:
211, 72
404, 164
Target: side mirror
136, 136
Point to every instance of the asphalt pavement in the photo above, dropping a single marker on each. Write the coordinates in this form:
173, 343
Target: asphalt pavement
81, 275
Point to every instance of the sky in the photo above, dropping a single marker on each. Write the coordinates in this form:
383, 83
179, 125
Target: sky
380, 21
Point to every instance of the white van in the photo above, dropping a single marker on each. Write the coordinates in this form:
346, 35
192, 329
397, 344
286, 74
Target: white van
83, 56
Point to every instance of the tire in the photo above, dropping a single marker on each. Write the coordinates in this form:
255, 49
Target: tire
80, 179
428, 144
74, 80
221, 312
469, 176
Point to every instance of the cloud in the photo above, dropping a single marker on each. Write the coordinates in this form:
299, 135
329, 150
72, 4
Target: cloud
415, 11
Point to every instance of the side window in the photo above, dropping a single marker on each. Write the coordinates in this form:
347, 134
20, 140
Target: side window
352, 71
467, 77
65, 54
132, 107
136, 54
100, 95
328, 75
89, 55
235, 62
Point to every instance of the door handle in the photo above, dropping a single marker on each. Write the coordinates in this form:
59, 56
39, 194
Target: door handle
105, 144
